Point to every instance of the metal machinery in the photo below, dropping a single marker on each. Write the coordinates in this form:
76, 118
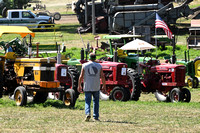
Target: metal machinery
27, 76
190, 78
123, 16
166, 80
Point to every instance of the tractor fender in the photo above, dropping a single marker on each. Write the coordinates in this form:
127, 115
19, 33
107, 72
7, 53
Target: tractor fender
103, 96
160, 97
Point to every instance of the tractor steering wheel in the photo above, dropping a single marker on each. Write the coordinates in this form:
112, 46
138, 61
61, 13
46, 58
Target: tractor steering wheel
69, 55
144, 61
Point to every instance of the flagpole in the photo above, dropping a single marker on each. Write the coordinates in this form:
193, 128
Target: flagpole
174, 55
156, 39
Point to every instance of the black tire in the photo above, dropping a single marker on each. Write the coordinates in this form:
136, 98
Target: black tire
135, 84
40, 97
196, 82
190, 82
20, 96
56, 16
175, 95
119, 94
186, 95
69, 98
1, 84
73, 79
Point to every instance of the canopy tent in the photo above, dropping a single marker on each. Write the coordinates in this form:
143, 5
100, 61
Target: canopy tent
22, 30
137, 44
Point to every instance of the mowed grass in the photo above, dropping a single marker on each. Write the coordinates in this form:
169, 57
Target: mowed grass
145, 115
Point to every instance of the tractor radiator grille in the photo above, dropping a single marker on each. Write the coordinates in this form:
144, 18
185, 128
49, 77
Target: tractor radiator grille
180, 75
47, 75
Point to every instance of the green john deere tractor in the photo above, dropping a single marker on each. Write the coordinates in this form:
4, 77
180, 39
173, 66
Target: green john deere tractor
191, 78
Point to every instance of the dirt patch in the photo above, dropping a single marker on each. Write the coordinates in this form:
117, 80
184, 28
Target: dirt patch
71, 19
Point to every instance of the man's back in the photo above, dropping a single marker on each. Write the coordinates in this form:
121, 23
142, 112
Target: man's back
92, 76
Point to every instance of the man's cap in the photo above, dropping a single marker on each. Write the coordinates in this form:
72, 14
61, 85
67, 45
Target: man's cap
92, 56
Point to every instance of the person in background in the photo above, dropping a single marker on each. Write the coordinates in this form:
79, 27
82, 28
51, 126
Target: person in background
90, 75
9, 48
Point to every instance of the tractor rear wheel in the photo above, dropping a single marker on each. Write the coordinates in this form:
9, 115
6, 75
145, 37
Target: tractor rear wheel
175, 95
73, 80
69, 98
20, 96
120, 94
186, 95
40, 97
134, 83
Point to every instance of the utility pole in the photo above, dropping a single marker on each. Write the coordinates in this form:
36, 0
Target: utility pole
86, 12
93, 18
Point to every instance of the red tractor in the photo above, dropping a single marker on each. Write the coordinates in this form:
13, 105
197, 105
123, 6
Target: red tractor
68, 78
166, 80
121, 84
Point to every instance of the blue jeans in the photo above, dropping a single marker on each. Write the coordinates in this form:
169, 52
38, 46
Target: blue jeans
88, 98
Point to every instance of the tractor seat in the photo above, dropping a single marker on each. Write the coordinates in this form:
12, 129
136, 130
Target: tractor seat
121, 53
10, 55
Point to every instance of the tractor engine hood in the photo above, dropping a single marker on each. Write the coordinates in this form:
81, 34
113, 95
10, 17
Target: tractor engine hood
166, 68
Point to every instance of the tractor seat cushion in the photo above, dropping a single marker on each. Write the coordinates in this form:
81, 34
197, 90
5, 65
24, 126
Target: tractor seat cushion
10, 55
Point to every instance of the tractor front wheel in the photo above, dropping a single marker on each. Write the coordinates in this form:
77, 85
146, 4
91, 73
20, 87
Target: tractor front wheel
196, 82
20, 96
120, 94
175, 95
69, 98
190, 82
186, 95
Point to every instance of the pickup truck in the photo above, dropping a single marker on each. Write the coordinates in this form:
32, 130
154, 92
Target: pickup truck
21, 17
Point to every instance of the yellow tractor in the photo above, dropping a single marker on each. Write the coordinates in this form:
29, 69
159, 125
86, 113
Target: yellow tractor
22, 77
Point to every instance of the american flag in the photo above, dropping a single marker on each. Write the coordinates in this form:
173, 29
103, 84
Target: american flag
161, 24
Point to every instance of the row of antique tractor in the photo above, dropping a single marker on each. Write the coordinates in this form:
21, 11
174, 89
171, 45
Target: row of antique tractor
167, 81
24, 77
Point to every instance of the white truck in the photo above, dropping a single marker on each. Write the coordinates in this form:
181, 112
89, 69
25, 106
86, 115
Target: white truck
21, 17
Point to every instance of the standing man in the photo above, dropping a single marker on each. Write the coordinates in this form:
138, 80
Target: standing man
90, 74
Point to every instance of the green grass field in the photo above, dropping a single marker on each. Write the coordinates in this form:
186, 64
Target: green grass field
145, 115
